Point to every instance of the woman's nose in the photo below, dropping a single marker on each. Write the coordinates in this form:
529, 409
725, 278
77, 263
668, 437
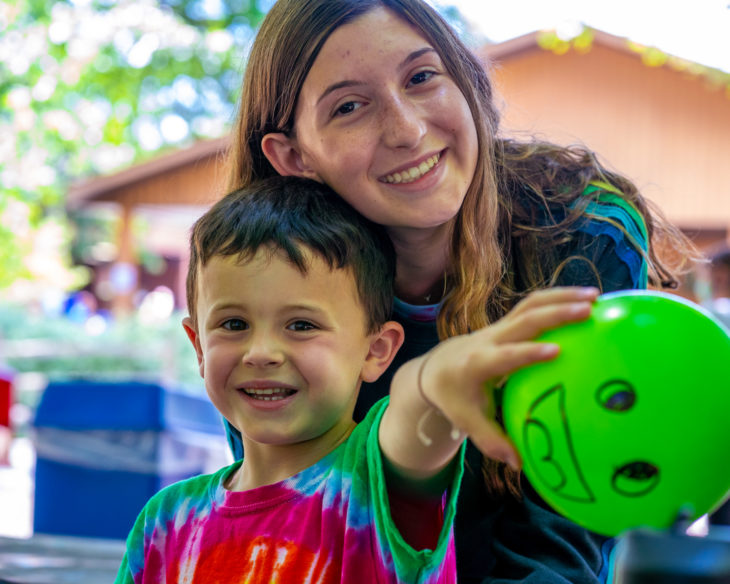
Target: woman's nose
402, 123
262, 350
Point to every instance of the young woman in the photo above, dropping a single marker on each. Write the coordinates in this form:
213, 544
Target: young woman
380, 100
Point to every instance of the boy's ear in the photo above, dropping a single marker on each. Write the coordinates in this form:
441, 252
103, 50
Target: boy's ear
195, 340
383, 347
283, 154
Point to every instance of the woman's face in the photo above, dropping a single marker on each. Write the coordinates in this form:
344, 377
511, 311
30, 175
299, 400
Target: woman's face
381, 122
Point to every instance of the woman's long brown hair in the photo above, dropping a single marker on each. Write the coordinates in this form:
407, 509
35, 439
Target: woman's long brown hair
495, 237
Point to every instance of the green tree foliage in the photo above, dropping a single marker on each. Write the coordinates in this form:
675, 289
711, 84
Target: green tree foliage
90, 86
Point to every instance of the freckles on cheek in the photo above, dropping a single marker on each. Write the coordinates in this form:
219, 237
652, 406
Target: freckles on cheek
344, 145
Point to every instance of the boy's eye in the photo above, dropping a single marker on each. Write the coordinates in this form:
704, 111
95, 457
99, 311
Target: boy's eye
235, 324
301, 326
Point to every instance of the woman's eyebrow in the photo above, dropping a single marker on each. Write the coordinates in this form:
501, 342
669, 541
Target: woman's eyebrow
414, 55
352, 82
338, 85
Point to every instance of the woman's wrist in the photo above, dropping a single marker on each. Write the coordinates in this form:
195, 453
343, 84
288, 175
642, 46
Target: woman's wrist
419, 381
455, 434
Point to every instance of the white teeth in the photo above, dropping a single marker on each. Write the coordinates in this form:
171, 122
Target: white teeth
414, 172
269, 394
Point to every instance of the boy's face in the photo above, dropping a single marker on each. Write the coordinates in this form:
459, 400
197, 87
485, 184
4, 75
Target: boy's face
282, 353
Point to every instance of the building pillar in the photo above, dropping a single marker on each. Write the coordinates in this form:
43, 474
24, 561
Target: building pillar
124, 273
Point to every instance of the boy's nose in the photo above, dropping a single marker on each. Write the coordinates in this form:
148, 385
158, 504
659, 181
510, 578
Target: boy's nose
262, 351
402, 124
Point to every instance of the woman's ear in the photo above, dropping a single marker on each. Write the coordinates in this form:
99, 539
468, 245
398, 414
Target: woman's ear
195, 340
283, 154
383, 347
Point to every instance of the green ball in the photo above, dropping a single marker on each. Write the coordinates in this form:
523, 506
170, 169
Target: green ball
630, 425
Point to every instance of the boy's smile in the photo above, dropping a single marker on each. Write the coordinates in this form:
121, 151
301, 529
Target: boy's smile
282, 352
267, 390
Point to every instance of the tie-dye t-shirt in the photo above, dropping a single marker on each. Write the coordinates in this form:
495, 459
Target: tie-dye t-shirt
327, 524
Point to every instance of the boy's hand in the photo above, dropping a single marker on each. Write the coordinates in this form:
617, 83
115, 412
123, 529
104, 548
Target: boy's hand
458, 376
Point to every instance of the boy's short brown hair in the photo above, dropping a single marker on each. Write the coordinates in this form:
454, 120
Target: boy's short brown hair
288, 213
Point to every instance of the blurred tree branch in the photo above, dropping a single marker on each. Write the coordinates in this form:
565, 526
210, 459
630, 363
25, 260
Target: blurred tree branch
90, 86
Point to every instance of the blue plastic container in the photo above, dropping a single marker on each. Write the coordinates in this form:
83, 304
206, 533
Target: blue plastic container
104, 448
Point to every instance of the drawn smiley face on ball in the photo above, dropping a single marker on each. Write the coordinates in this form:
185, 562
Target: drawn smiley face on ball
627, 427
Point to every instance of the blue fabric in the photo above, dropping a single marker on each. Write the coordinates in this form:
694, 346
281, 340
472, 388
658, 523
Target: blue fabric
625, 242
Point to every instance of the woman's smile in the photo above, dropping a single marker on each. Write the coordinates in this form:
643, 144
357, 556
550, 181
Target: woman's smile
412, 173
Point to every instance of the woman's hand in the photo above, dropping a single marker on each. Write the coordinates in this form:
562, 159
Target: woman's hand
458, 376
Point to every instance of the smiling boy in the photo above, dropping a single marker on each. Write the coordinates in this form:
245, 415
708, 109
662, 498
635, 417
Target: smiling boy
289, 293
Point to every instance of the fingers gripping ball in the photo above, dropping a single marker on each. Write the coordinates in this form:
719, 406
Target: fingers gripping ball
628, 426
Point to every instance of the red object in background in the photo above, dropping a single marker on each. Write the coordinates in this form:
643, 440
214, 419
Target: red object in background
6, 396
6, 400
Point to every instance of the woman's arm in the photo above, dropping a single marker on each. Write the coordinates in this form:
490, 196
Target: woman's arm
441, 397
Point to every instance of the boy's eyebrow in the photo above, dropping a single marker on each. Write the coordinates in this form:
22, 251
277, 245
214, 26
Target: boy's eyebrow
307, 307
225, 306
288, 307
353, 83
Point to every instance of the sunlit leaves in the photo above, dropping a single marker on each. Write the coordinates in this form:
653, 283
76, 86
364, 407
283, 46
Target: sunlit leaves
561, 41
84, 58
580, 39
90, 86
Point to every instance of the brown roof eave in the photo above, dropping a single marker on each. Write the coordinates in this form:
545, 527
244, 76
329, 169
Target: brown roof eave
509, 48
528, 42
99, 188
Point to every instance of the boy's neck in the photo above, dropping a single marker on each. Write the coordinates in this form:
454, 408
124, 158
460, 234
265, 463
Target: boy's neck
267, 464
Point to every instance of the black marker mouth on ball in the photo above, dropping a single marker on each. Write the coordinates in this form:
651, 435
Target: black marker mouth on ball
635, 479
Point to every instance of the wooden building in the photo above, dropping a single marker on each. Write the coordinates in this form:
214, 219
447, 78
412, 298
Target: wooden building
665, 126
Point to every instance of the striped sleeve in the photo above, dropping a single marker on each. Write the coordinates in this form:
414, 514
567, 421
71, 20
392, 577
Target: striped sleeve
609, 214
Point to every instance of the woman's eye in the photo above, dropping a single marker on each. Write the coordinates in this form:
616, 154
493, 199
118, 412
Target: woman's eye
235, 324
301, 326
421, 77
347, 108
